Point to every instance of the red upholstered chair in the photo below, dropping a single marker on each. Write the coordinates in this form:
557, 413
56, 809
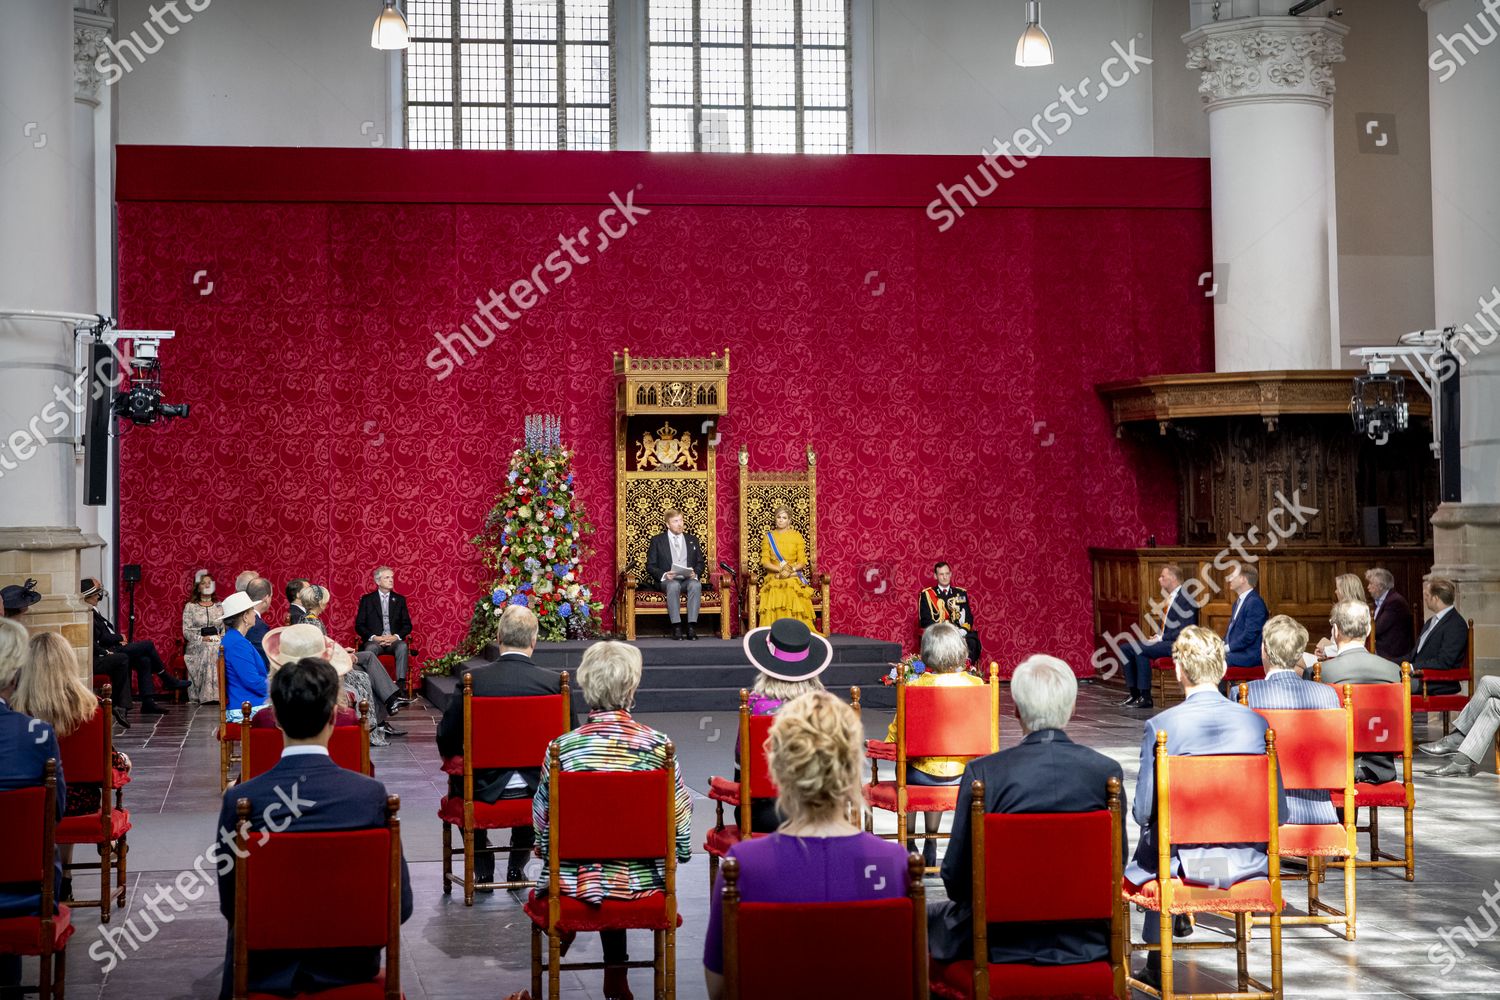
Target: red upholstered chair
501, 732
1315, 748
228, 733
260, 747
87, 759
273, 908
1382, 724
1214, 800
936, 721
27, 854
1085, 888
843, 964
1241, 675
1445, 703
608, 815
1165, 690
388, 660
755, 783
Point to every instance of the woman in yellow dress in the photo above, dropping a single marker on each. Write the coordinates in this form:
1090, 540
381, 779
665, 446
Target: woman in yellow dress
784, 592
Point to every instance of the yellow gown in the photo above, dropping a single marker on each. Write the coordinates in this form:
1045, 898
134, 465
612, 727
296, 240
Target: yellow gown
784, 597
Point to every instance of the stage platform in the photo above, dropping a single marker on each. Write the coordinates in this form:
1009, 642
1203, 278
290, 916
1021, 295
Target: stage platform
705, 676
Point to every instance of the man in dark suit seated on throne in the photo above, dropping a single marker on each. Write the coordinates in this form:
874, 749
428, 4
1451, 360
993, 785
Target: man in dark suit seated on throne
947, 603
675, 565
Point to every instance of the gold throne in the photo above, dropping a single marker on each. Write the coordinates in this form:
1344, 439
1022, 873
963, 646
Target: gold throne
760, 494
666, 443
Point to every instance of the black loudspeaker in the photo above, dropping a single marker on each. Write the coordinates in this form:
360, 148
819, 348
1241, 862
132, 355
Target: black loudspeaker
131, 572
100, 406
1450, 485
1372, 525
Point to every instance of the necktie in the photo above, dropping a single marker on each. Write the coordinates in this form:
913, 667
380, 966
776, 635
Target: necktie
1425, 630
385, 613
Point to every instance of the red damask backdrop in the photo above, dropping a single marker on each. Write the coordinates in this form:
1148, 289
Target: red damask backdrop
945, 379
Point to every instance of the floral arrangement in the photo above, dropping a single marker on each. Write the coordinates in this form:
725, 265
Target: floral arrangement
910, 667
533, 544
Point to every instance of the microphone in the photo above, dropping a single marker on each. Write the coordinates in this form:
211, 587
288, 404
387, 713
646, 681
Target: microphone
727, 568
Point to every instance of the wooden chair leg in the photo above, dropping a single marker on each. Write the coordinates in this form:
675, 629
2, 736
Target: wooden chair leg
1276, 954
447, 858
670, 949
1165, 919
536, 962
1349, 897
713, 870
59, 973
1411, 855
106, 892
554, 965
658, 965
468, 866
122, 852
44, 979
1374, 833
1242, 949
223, 766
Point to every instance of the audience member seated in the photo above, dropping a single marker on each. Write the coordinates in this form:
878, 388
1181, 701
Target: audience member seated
292, 643
26, 744
1204, 723
511, 675
1353, 664
1246, 619
945, 654
259, 590
385, 700
327, 797
119, 659
1394, 638
1346, 587
295, 612
383, 622
610, 740
18, 597
1444, 642
202, 632
788, 657
1282, 649
243, 580
818, 855
1180, 611
1045, 773
1473, 732
244, 671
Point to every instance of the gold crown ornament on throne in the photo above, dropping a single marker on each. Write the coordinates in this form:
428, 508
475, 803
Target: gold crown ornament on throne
667, 448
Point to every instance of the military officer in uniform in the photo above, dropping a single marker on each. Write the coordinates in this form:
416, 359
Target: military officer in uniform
947, 603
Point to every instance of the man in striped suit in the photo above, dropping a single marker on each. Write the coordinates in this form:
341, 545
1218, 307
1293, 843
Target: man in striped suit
1282, 643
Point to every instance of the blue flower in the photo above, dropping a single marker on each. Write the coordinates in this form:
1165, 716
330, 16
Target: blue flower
512, 477
918, 667
499, 596
543, 489
519, 599
586, 594
568, 527
583, 610
525, 588
564, 609
561, 569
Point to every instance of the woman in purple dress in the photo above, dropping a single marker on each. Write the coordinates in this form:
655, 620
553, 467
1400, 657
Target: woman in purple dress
818, 855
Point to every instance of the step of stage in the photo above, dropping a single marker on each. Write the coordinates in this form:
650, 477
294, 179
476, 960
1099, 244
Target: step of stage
706, 676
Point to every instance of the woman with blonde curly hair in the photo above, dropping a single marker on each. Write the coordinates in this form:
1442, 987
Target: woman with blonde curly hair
818, 855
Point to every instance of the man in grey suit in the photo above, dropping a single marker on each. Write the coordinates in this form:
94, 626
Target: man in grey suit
1205, 723
1282, 643
1353, 664
1473, 733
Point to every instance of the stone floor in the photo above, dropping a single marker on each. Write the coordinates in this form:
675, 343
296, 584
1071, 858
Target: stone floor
451, 952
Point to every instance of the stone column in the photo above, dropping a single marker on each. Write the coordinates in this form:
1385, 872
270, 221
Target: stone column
1463, 86
39, 535
1267, 86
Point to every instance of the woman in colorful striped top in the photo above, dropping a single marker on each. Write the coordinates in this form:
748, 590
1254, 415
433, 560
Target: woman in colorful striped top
611, 741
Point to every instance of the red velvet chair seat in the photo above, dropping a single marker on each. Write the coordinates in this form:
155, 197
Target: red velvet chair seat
880, 750
373, 990
119, 779
1312, 839
724, 790
454, 766
1163, 663
23, 935
655, 598
720, 839
955, 980
85, 829
487, 815
1387, 793
1440, 702
576, 916
919, 798
1235, 675
1252, 895
229, 731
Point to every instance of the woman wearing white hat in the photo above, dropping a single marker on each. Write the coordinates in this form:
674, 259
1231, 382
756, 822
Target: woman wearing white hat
244, 671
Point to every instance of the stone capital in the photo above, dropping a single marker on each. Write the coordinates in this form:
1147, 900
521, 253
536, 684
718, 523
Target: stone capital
1266, 59
91, 29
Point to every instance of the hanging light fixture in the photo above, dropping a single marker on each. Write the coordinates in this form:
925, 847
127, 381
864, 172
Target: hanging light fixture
1034, 47
390, 29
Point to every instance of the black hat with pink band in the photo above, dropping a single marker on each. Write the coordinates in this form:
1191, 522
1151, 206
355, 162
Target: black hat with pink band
788, 650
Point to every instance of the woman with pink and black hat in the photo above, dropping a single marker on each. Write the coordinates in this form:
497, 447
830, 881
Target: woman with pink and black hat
788, 656
291, 643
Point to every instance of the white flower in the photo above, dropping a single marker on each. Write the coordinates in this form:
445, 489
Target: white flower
569, 576
545, 587
573, 590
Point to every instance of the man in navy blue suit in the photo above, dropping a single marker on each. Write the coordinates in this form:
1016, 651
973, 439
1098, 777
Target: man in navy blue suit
1281, 652
306, 791
1205, 723
1181, 611
1046, 773
1246, 619
26, 744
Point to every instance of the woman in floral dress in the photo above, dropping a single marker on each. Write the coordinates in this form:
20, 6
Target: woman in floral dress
201, 652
